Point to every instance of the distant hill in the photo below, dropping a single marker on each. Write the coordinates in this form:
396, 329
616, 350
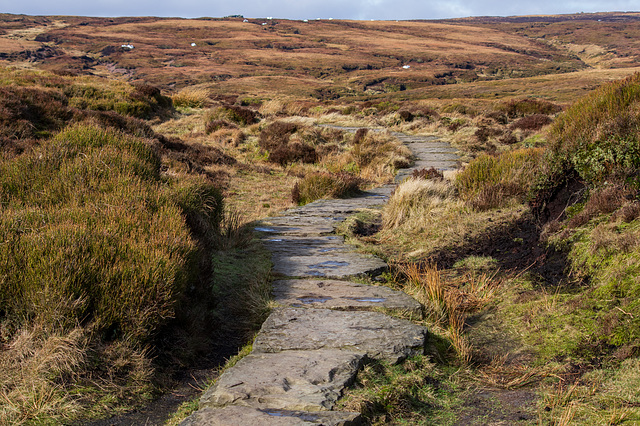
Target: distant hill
323, 59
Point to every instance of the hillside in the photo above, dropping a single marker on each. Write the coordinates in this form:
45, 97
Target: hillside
329, 58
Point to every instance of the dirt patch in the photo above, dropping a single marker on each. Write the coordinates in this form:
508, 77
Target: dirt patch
498, 407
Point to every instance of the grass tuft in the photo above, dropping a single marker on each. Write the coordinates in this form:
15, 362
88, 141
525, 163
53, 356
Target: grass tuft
192, 97
325, 185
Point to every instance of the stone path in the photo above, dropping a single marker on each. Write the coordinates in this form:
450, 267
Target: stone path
312, 346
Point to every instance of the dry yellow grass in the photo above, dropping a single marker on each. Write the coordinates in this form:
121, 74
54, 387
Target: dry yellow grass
192, 97
417, 200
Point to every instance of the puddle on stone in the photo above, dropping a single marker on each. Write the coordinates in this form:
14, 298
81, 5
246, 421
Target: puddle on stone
317, 274
367, 299
276, 240
260, 229
329, 264
307, 417
314, 299
329, 249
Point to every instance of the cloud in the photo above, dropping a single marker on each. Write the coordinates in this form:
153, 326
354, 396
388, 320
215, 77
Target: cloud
307, 9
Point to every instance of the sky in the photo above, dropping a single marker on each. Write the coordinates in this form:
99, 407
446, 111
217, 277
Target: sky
311, 9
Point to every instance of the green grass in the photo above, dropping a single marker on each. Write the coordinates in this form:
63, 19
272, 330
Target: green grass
414, 392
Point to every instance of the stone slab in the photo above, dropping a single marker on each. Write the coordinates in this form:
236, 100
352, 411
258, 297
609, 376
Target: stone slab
309, 380
343, 295
378, 335
341, 207
342, 264
270, 229
286, 245
248, 416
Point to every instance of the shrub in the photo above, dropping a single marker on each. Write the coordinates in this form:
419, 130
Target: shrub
110, 119
528, 106
489, 181
424, 112
94, 236
358, 137
599, 136
276, 139
405, 115
276, 134
483, 133
232, 113
532, 122
430, 173
602, 201
292, 152
195, 155
31, 112
325, 185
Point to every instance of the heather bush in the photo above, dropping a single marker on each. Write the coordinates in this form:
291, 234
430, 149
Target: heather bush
94, 235
430, 173
522, 107
276, 134
532, 122
598, 136
292, 152
31, 112
490, 181
232, 113
276, 138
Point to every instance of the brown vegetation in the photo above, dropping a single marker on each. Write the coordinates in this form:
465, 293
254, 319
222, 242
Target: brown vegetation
104, 175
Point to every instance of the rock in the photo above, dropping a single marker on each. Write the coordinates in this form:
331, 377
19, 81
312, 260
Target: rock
430, 152
326, 265
378, 335
247, 416
283, 245
344, 295
293, 380
301, 226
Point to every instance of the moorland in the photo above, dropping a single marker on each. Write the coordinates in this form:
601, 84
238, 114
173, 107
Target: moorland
136, 152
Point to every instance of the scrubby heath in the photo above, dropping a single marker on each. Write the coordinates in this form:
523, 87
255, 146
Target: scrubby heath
527, 264
129, 179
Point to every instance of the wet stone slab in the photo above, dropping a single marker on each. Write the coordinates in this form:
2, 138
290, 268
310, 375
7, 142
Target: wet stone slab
248, 416
330, 264
378, 335
268, 229
304, 246
343, 295
310, 380
341, 207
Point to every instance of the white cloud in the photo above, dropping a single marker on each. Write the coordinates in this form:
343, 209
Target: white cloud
310, 9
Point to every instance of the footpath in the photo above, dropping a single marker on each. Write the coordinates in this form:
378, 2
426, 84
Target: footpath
326, 325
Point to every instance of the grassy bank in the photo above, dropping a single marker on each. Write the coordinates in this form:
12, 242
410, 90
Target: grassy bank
526, 265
